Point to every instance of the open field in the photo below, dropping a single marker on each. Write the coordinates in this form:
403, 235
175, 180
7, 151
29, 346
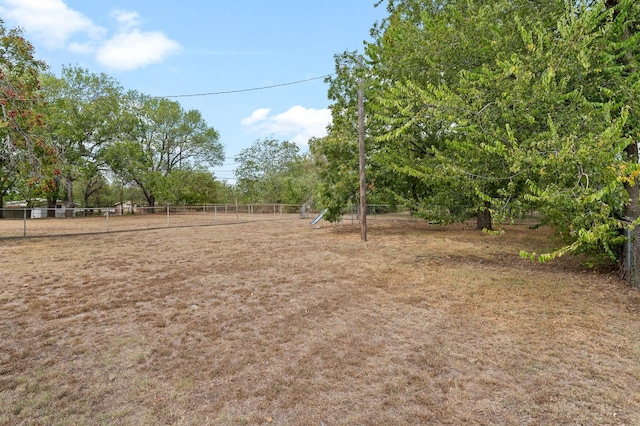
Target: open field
282, 323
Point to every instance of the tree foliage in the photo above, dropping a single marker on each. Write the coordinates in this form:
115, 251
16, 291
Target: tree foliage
161, 139
82, 118
495, 109
23, 155
274, 171
82, 129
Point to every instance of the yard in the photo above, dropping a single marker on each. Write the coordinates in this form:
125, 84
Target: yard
283, 323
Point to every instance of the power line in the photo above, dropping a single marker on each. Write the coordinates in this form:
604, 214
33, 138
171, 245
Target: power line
253, 89
224, 92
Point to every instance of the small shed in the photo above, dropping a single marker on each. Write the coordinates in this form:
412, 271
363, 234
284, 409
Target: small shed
40, 211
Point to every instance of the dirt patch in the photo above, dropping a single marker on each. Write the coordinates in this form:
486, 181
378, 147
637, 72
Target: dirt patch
283, 323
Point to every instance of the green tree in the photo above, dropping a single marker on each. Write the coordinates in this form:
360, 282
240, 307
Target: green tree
615, 76
83, 118
273, 171
192, 187
336, 159
337, 155
163, 139
23, 155
526, 129
494, 109
424, 52
601, 39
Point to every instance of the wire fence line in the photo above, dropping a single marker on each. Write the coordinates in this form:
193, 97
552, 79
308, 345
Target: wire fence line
40, 221
17, 222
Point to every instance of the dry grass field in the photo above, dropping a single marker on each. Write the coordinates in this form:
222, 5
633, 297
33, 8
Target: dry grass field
282, 323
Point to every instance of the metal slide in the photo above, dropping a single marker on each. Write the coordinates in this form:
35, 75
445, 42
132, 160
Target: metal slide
317, 219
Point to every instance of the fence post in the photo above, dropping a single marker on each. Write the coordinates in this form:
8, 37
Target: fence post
167, 215
107, 220
629, 257
24, 231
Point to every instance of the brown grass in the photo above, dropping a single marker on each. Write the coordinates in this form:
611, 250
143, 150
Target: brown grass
282, 323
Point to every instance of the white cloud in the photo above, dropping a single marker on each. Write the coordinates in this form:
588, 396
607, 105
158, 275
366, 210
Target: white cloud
52, 21
55, 24
298, 124
128, 19
135, 49
131, 48
258, 115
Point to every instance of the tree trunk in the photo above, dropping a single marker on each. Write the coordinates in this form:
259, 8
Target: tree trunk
122, 201
93, 186
149, 196
69, 188
484, 217
51, 207
4, 190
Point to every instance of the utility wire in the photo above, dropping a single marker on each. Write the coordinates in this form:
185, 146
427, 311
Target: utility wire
253, 89
225, 92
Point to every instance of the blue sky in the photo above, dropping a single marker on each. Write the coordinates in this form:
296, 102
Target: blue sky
166, 48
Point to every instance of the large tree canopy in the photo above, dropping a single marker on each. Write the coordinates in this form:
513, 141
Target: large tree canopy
494, 109
83, 118
162, 138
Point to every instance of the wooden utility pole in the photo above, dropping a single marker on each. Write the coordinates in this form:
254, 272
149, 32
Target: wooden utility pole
363, 182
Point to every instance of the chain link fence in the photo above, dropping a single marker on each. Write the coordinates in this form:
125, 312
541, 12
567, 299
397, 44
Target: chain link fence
631, 257
41, 221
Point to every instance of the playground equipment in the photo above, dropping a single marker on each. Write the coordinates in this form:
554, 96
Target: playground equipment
319, 217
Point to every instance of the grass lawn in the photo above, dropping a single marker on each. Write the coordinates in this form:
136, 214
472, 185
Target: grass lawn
283, 323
